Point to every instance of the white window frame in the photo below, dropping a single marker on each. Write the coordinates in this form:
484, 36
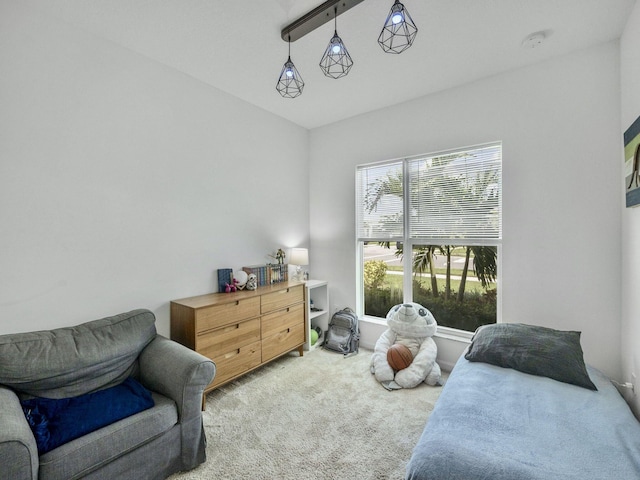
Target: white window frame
408, 243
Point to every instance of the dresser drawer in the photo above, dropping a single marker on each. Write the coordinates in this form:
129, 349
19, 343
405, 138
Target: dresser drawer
226, 313
276, 322
236, 362
282, 342
229, 338
282, 298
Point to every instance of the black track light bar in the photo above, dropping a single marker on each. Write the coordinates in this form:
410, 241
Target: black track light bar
316, 18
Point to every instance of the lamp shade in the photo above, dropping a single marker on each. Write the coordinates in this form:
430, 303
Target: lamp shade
336, 61
299, 256
399, 31
290, 83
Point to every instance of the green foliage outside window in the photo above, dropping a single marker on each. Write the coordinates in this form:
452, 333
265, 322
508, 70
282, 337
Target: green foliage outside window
462, 297
375, 272
476, 310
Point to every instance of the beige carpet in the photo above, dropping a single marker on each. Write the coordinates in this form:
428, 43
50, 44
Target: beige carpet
321, 416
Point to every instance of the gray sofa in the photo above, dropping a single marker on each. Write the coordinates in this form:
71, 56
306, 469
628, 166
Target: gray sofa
68, 362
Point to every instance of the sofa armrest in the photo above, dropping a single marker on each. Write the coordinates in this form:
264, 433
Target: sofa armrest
177, 372
181, 374
18, 451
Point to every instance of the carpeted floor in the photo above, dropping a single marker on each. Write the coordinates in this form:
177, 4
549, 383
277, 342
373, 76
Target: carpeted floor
321, 416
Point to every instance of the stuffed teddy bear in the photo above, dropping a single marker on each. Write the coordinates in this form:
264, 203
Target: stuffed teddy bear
412, 325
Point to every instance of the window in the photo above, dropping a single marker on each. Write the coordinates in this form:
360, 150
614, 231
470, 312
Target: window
429, 230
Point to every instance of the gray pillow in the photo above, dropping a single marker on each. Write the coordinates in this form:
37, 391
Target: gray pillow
531, 349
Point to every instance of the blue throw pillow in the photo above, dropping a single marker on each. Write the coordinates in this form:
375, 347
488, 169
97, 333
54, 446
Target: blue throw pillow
58, 421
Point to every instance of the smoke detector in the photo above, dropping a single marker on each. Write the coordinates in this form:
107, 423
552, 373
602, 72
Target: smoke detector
534, 40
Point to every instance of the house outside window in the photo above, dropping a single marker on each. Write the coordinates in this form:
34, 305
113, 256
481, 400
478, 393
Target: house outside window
429, 230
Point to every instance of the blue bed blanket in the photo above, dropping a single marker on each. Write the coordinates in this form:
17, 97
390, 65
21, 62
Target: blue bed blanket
494, 423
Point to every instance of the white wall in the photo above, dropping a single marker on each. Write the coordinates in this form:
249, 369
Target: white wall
125, 184
559, 124
630, 82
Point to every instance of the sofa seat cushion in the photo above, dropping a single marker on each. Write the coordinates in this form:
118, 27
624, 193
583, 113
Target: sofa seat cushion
90, 452
58, 421
72, 361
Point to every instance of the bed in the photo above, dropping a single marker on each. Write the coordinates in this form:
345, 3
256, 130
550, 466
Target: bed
496, 422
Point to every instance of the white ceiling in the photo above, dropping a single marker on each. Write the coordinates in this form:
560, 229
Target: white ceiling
235, 45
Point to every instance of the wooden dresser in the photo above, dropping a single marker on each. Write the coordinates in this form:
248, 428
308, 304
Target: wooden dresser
243, 330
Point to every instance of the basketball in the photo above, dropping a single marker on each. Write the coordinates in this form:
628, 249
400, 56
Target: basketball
399, 356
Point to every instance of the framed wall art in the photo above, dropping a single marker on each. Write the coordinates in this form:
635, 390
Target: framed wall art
632, 164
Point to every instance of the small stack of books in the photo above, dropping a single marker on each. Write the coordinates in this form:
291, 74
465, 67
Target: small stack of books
278, 273
270, 273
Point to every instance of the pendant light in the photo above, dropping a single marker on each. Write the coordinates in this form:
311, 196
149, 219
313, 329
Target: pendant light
336, 61
290, 83
399, 31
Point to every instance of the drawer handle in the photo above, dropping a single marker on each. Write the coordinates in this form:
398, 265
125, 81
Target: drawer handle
232, 354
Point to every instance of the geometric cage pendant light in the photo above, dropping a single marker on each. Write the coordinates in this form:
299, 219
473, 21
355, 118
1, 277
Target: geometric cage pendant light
290, 83
399, 31
336, 61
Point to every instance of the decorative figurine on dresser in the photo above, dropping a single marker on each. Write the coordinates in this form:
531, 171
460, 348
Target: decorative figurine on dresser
252, 282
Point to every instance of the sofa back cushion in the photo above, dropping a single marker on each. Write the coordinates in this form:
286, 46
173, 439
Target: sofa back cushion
71, 361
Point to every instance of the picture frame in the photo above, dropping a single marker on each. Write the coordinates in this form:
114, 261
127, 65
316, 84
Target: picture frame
632, 164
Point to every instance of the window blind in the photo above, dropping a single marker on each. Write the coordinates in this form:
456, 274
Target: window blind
379, 201
451, 195
457, 195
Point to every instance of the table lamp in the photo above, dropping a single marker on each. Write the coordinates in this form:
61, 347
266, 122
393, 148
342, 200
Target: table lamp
299, 257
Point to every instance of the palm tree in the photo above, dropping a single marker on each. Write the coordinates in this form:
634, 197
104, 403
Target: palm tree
484, 266
463, 278
391, 185
447, 283
423, 260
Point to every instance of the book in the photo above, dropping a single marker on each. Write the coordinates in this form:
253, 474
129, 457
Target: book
278, 273
225, 276
269, 273
260, 271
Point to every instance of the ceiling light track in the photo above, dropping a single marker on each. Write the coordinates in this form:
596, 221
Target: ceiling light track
316, 18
